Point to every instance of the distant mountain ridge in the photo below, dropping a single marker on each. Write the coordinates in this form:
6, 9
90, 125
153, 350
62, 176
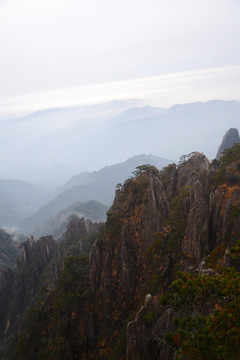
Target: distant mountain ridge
119, 172
134, 113
96, 185
126, 129
58, 223
19, 199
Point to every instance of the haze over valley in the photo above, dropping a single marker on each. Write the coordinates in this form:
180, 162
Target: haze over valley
62, 166
46, 149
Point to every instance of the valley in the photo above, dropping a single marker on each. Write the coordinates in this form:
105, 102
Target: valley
122, 289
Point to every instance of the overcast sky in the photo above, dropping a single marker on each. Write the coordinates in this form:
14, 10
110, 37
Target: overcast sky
67, 52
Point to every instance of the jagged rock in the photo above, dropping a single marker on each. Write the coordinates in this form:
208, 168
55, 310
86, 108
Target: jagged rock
169, 177
78, 228
193, 174
8, 250
230, 138
209, 222
7, 278
145, 334
155, 208
76, 241
95, 260
117, 263
21, 285
122, 263
39, 263
127, 261
148, 302
223, 226
24, 252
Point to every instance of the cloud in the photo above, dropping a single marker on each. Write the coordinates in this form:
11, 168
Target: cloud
163, 90
51, 44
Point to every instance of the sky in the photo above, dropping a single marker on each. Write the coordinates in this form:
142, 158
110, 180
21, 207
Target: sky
71, 52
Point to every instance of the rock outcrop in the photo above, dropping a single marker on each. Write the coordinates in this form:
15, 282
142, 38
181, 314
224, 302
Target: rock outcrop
186, 217
77, 229
230, 138
8, 250
212, 224
145, 335
118, 263
38, 265
181, 206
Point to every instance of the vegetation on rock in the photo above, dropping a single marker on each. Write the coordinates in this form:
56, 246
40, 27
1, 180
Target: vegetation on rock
122, 302
214, 335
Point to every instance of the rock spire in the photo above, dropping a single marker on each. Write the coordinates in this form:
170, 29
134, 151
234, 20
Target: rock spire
230, 138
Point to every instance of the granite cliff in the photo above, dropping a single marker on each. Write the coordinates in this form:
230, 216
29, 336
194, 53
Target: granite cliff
38, 267
230, 138
122, 302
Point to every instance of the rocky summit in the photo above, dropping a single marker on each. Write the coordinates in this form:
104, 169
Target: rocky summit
159, 280
230, 138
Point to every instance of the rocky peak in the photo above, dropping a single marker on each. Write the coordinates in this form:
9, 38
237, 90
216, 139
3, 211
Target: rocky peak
140, 210
117, 261
145, 336
158, 224
46, 248
24, 252
230, 138
78, 228
192, 169
43, 250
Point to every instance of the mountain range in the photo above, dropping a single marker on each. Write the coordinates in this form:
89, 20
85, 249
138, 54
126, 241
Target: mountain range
97, 185
56, 224
159, 280
42, 152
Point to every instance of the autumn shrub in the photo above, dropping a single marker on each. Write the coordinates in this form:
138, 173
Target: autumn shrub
215, 335
215, 256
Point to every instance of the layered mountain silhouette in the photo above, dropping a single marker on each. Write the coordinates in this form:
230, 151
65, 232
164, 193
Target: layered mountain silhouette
90, 142
19, 199
57, 224
96, 185
160, 280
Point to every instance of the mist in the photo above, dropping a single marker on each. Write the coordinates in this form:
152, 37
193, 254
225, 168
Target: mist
89, 85
53, 145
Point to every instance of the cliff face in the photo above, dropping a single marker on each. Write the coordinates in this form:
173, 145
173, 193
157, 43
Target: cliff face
117, 262
211, 227
190, 213
186, 217
230, 138
21, 287
38, 266
141, 209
